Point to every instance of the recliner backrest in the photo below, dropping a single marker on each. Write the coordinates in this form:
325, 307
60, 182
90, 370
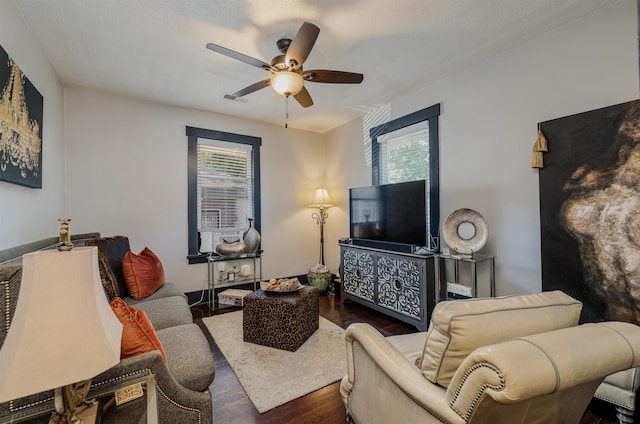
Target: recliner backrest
459, 327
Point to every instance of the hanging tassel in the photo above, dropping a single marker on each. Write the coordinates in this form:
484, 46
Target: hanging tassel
536, 160
538, 147
541, 141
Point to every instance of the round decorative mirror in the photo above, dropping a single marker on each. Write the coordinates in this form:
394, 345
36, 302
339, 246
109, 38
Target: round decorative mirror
465, 231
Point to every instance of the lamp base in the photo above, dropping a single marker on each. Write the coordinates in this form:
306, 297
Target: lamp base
87, 414
68, 400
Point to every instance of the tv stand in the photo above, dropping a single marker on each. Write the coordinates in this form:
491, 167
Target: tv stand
398, 284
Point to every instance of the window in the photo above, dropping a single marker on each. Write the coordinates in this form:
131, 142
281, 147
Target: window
406, 149
224, 187
404, 154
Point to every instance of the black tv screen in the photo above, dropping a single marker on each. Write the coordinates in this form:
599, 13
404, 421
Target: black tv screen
394, 213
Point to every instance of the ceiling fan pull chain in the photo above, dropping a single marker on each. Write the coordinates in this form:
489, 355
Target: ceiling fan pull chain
286, 120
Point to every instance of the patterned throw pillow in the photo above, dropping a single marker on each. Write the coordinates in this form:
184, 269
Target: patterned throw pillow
138, 334
111, 251
143, 273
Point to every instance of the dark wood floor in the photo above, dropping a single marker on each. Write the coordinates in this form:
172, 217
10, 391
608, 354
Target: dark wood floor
232, 406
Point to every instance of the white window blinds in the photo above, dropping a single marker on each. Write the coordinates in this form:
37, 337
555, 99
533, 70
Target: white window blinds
225, 181
404, 156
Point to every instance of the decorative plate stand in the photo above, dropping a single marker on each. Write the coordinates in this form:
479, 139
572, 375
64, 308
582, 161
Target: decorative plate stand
465, 231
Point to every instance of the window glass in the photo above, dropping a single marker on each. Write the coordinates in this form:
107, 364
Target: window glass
225, 189
404, 154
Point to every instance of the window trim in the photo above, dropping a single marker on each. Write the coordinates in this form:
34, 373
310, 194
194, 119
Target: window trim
430, 115
193, 134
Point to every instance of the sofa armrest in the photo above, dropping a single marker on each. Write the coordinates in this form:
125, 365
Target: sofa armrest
175, 402
381, 385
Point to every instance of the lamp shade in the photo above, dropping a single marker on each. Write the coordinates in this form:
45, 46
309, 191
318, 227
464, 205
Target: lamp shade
287, 83
63, 330
321, 199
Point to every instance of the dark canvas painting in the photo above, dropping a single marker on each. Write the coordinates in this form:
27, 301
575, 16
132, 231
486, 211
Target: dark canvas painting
590, 210
21, 108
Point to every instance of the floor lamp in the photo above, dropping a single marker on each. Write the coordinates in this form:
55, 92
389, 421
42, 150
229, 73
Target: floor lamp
321, 201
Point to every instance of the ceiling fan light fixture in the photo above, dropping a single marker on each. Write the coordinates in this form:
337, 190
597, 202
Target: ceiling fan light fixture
287, 83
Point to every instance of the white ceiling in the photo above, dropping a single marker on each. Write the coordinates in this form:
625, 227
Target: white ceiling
155, 49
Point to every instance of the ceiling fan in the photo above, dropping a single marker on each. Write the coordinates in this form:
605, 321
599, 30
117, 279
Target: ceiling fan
288, 77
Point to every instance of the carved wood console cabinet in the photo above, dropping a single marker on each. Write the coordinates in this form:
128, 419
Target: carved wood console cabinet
401, 285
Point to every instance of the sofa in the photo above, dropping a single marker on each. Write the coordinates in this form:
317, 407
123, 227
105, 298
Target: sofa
495, 360
182, 382
620, 389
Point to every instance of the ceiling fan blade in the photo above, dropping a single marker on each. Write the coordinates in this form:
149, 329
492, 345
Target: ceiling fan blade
336, 77
301, 45
304, 98
238, 56
253, 87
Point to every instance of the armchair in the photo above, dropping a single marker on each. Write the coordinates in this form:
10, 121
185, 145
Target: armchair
495, 360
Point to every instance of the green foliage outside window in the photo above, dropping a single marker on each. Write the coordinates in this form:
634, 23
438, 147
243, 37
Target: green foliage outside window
408, 162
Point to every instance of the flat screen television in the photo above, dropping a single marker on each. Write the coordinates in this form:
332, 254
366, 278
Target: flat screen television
391, 213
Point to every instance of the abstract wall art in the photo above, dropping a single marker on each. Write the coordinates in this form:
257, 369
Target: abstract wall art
590, 210
21, 109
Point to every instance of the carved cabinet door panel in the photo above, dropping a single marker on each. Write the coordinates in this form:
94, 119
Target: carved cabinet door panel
400, 285
358, 270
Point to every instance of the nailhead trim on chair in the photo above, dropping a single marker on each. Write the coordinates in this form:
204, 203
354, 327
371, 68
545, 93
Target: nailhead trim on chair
147, 371
5, 284
12, 408
481, 391
180, 406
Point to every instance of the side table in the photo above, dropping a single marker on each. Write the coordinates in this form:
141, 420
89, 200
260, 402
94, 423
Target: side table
219, 277
281, 320
472, 261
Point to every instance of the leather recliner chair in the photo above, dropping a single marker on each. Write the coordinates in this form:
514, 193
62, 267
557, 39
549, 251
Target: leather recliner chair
495, 360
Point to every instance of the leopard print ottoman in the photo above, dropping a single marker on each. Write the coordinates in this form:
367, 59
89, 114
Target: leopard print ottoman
280, 320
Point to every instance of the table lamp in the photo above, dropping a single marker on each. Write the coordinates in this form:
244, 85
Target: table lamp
63, 332
322, 201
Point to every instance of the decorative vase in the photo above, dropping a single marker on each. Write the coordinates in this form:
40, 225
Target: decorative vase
320, 280
231, 249
251, 238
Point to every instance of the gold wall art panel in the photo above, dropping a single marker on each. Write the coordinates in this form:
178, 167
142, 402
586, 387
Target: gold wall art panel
21, 108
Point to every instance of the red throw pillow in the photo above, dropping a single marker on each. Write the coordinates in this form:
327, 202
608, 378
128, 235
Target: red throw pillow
143, 273
138, 334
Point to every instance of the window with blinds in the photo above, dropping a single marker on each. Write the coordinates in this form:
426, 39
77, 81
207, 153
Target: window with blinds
224, 183
406, 149
404, 155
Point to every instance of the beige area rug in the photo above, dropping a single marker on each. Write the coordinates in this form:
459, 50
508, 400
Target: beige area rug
272, 377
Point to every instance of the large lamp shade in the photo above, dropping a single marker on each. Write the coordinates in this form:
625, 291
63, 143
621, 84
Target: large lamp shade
321, 199
63, 330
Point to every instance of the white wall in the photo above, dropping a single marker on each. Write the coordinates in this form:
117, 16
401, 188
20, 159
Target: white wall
28, 214
488, 126
127, 174
126, 160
